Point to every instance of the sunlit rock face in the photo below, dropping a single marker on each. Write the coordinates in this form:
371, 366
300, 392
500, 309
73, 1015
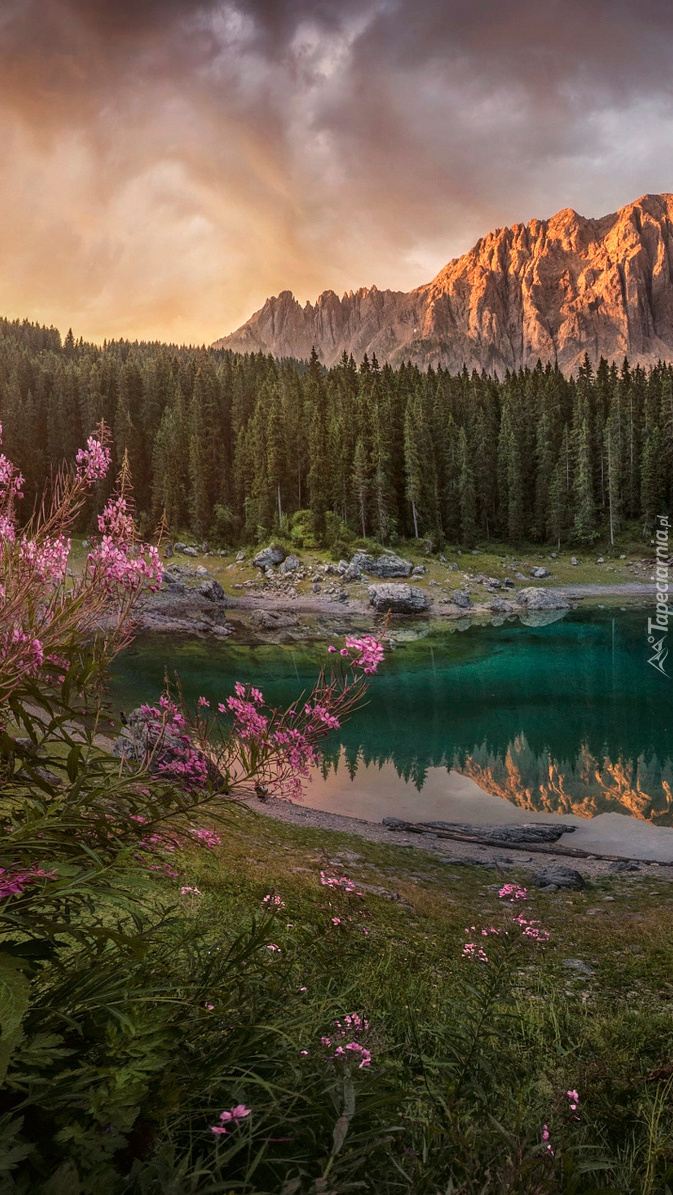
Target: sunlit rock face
550, 290
586, 787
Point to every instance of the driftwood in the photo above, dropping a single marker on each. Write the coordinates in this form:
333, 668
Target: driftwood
537, 847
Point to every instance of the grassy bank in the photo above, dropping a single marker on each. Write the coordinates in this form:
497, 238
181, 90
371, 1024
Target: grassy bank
470, 1060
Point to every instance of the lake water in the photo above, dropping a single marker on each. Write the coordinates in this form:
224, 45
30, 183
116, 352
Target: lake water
487, 723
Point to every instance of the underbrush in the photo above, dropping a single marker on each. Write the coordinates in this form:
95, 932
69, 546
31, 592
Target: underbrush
233, 988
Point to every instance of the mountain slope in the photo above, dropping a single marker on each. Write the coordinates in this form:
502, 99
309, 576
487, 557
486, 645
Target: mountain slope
548, 289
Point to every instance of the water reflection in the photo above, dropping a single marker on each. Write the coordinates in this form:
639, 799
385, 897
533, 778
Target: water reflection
560, 718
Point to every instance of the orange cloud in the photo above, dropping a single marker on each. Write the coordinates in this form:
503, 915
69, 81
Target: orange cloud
167, 164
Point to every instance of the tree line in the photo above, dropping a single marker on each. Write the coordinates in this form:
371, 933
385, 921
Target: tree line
237, 448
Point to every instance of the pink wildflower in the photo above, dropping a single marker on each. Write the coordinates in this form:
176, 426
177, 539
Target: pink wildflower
12, 883
93, 461
471, 950
513, 892
208, 837
370, 653
239, 1112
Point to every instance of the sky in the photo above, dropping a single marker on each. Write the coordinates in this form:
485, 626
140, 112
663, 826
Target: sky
168, 164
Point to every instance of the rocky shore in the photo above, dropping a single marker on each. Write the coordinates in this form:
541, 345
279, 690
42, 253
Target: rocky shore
287, 599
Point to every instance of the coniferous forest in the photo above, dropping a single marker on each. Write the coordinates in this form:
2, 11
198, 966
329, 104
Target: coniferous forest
235, 449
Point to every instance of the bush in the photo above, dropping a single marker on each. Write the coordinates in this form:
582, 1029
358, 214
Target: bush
302, 533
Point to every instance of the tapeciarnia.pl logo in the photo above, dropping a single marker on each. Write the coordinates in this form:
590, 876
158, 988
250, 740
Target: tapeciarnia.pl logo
657, 627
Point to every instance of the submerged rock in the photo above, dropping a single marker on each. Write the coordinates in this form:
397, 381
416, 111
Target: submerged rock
398, 599
541, 618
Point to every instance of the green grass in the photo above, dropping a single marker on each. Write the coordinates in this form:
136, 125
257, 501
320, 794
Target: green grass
546, 1028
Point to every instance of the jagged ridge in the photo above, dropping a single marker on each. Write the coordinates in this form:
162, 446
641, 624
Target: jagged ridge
549, 289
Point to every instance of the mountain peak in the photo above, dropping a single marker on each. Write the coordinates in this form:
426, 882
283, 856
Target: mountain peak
549, 289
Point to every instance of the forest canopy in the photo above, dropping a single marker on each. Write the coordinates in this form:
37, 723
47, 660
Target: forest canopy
234, 449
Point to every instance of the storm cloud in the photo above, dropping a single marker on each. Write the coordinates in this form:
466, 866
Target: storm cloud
168, 164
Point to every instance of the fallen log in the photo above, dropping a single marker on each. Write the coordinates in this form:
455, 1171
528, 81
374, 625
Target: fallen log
572, 852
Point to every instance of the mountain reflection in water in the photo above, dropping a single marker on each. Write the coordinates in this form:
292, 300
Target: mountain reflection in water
563, 718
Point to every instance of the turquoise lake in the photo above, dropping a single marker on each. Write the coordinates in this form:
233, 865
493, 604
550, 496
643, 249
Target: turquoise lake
470, 724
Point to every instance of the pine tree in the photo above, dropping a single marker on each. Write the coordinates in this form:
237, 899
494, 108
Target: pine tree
468, 502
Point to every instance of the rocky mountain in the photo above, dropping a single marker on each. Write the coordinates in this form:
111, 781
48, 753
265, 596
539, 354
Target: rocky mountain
549, 289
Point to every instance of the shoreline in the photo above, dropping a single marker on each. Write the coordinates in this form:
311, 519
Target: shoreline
522, 857
268, 614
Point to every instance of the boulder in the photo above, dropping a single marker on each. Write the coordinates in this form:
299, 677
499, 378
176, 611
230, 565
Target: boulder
348, 571
190, 551
201, 571
574, 560
500, 606
535, 598
173, 580
269, 556
398, 599
419, 571
212, 590
145, 743
461, 598
240, 557
179, 547
290, 564
539, 573
556, 876
387, 565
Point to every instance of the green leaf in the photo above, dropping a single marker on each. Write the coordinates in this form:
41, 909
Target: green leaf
14, 998
72, 761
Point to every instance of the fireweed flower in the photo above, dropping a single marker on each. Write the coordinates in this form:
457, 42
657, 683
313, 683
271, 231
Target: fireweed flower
233, 1117
12, 883
471, 950
513, 892
545, 1140
93, 461
370, 653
